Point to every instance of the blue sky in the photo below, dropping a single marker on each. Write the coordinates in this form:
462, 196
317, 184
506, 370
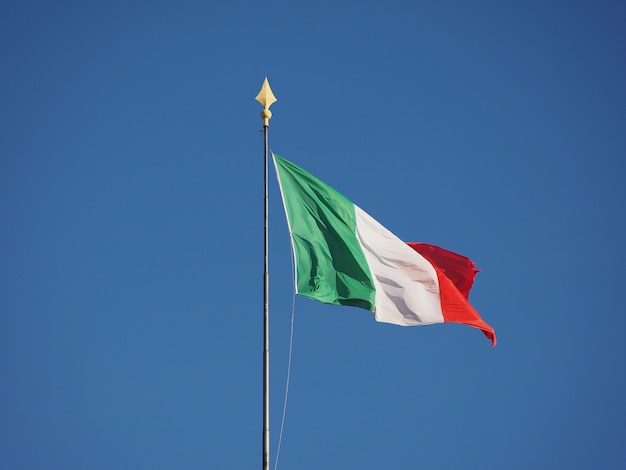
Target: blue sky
131, 235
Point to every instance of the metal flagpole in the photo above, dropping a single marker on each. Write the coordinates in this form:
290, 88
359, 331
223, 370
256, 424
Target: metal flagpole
266, 98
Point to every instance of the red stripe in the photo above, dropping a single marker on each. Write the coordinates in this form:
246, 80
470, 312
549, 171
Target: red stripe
456, 276
459, 269
457, 309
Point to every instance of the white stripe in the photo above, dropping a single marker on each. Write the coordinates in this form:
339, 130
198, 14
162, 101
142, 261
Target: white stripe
407, 289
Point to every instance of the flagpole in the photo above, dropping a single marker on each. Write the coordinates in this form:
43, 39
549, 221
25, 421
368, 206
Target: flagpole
266, 98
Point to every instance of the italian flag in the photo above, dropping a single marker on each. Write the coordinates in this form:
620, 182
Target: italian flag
345, 257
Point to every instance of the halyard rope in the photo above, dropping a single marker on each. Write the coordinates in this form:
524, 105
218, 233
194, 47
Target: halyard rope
293, 311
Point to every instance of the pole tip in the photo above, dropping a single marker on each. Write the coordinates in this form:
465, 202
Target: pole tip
266, 98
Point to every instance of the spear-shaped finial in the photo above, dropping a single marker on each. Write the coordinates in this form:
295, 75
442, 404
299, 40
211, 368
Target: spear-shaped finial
266, 98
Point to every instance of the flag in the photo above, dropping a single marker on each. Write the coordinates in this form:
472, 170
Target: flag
345, 257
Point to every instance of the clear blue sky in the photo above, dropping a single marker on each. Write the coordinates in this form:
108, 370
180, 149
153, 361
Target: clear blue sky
131, 232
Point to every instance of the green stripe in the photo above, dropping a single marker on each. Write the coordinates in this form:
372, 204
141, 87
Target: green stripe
330, 264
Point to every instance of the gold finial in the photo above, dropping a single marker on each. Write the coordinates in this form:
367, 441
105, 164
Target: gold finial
266, 98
